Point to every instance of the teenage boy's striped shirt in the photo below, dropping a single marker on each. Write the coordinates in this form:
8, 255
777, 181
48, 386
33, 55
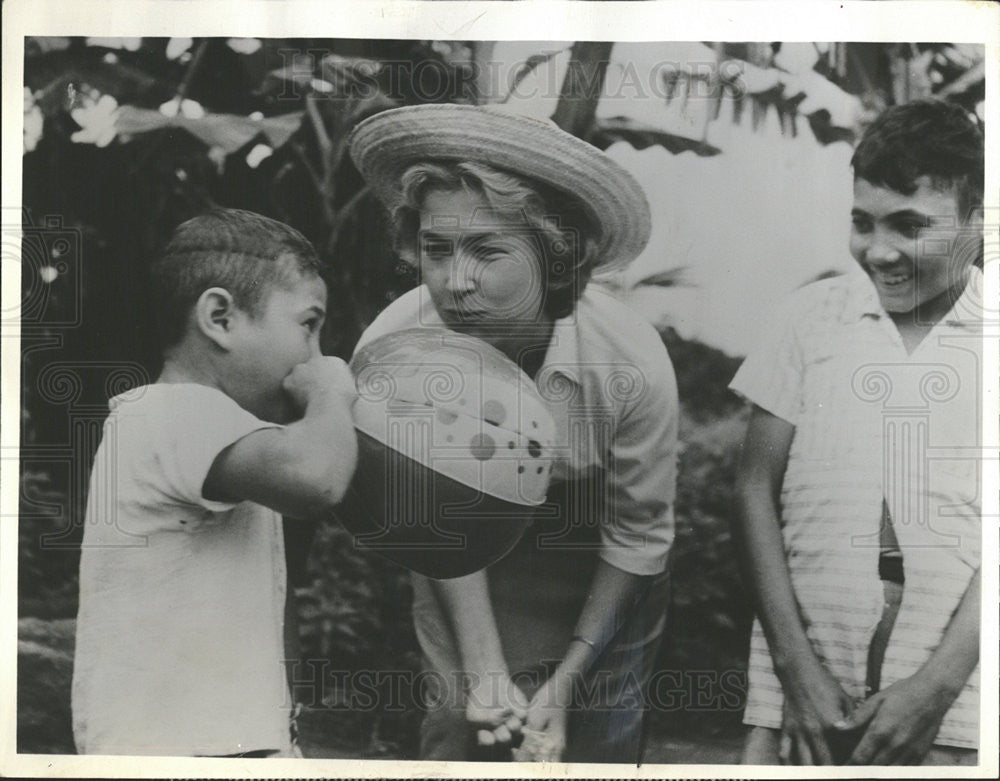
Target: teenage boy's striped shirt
872, 422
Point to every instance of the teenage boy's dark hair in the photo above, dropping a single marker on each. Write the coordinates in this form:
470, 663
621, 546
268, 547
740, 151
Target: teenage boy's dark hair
924, 138
245, 253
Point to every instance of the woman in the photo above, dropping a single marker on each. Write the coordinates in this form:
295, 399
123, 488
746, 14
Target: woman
506, 218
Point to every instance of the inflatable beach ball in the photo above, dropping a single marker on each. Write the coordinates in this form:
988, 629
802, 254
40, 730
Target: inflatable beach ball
454, 452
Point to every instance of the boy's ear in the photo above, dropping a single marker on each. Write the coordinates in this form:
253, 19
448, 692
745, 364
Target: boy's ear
215, 315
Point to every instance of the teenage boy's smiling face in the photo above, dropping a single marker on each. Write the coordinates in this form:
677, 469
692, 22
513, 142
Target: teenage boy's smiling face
906, 243
283, 334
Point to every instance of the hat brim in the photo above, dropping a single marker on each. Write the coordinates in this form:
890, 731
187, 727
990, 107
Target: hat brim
385, 145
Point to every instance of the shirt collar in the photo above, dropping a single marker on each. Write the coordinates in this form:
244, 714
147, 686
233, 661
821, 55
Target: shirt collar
862, 298
563, 353
968, 309
966, 312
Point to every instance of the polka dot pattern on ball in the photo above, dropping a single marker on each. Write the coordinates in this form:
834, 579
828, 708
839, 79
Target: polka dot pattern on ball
483, 447
494, 412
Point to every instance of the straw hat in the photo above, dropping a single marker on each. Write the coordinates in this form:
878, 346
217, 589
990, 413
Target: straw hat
385, 145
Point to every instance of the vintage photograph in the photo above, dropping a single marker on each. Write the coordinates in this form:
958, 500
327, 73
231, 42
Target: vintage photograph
521, 401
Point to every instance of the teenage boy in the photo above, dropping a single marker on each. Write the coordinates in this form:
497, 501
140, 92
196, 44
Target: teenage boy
859, 509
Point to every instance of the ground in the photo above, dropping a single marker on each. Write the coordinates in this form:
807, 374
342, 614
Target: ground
45, 661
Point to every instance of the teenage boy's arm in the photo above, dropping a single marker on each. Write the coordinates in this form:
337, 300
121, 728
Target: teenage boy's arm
814, 701
494, 704
903, 719
303, 469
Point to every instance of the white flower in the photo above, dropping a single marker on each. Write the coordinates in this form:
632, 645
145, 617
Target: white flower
259, 154
190, 109
171, 108
33, 121
97, 121
177, 46
244, 45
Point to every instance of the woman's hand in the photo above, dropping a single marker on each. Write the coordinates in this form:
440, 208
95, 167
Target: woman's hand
547, 715
495, 707
814, 702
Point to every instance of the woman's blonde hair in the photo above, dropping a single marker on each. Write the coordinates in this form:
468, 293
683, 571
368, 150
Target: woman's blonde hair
568, 238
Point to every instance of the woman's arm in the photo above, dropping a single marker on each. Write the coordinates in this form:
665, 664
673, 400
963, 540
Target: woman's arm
494, 702
814, 701
494, 705
612, 594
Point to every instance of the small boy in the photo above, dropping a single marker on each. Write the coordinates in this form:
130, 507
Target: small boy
859, 509
182, 575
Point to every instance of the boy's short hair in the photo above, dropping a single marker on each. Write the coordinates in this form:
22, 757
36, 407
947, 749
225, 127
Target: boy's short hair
926, 137
566, 238
245, 253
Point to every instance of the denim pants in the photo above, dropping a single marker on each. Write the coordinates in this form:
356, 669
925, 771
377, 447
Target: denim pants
538, 592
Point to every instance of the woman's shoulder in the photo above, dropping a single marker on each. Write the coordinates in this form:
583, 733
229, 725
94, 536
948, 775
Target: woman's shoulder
622, 352
606, 324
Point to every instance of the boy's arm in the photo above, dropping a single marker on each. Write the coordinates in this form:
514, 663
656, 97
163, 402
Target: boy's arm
813, 699
903, 719
303, 469
494, 704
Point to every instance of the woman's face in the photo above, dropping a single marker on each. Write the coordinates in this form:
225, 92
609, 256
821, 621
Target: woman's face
484, 269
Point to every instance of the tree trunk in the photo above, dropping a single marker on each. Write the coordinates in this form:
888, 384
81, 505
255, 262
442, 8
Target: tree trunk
582, 86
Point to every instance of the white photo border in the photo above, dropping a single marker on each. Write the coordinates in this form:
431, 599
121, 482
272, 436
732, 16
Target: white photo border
747, 20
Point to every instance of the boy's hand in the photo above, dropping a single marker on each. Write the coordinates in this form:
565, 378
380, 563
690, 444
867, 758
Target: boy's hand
813, 704
319, 377
899, 722
496, 707
547, 714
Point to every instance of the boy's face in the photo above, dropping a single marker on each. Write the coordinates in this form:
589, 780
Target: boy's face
909, 245
283, 334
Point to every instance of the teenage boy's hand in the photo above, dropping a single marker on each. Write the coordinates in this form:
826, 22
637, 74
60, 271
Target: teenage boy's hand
319, 377
813, 704
496, 707
900, 722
